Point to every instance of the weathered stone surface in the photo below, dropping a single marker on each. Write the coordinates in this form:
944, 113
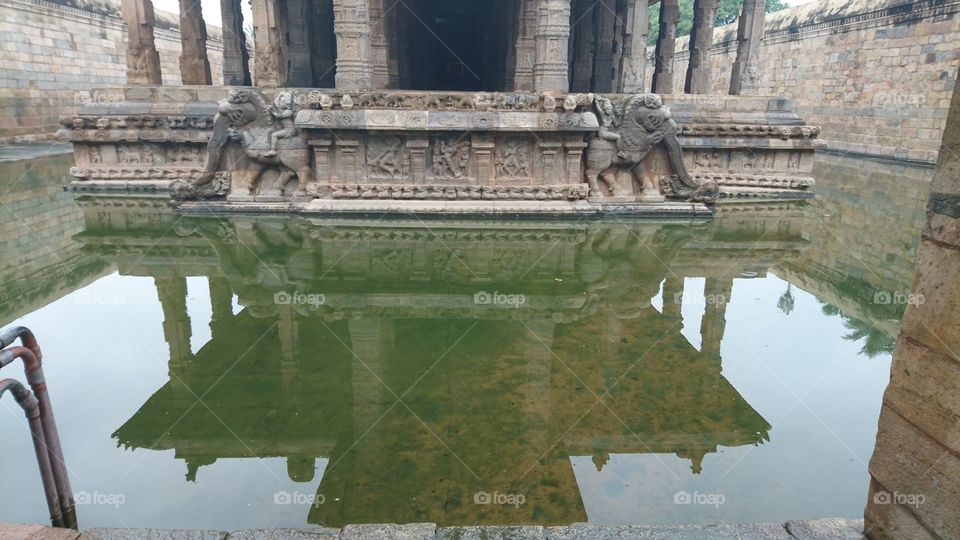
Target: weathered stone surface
491, 533
151, 534
915, 473
666, 46
413, 531
285, 534
826, 529
583, 531
932, 321
550, 72
891, 520
699, 67
925, 389
35, 532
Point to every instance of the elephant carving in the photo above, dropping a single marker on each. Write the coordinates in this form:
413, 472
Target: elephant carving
626, 136
268, 138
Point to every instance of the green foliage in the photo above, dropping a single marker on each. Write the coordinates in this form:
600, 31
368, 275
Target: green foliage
727, 12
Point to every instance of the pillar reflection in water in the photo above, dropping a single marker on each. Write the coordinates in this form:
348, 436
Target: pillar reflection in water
429, 365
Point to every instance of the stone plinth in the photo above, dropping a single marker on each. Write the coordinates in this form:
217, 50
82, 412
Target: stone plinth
488, 150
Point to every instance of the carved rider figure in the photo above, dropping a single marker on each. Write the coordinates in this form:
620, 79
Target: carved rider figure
282, 112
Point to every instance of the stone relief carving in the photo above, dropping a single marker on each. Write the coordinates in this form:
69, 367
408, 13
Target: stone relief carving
626, 136
513, 159
268, 140
450, 158
387, 157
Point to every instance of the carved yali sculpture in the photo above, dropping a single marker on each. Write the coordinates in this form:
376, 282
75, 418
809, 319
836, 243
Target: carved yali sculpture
627, 135
268, 138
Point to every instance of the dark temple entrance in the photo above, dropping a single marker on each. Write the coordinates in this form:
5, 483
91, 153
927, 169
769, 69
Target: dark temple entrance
452, 44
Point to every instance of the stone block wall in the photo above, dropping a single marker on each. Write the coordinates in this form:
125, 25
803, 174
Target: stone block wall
52, 55
915, 467
877, 75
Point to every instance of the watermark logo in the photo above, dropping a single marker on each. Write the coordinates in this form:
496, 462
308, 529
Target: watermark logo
897, 298
84, 498
715, 500
285, 298
496, 298
509, 499
709, 299
904, 499
85, 298
297, 498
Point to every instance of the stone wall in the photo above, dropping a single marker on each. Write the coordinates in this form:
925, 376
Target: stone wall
877, 75
915, 467
53, 54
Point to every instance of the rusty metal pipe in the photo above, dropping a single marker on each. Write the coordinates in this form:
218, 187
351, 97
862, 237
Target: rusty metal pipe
31, 408
34, 371
26, 337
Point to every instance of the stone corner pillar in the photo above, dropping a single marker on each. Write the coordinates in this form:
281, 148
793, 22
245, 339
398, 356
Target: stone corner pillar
354, 45
236, 57
143, 61
915, 468
750, 26
194, 65
666, 47
633, 63
270, 63
550, 70
701, 41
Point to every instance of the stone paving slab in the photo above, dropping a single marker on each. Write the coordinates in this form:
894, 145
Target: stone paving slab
818, 529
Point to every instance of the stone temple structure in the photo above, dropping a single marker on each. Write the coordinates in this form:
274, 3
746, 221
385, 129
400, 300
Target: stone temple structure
457, 107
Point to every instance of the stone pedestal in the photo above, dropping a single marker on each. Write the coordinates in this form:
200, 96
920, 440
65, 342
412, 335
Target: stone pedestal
354, 49
194, 66
744, 78
701, 41
550, 73
666, 47
143, 62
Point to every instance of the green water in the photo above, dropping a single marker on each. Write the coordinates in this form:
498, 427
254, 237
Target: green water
266, 372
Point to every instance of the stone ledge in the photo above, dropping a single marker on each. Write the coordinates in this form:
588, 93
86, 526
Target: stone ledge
818, 529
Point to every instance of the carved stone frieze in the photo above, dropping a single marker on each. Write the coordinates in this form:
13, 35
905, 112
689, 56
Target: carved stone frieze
136, 122
748, 130
559, 192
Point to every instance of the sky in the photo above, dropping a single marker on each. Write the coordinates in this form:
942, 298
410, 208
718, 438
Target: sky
211, 9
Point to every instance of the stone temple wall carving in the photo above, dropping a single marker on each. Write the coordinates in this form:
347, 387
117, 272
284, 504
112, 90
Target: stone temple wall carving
254, 148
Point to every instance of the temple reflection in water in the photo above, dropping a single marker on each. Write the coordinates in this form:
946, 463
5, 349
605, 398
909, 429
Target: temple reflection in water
400, 391
420, 391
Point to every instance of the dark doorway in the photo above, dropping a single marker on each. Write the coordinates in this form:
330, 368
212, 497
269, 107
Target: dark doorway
452, 44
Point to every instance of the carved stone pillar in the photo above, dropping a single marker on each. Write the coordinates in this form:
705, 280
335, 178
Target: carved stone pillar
143, 61
583, 44
298, 27
666, 46
354, 50
633, 62
378, 45
701, 41
714, 323
673, 296
221, 307
605, 20
194, 66
236, 58
270, 64
172, 292
744, 77
553, 37
526, 49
